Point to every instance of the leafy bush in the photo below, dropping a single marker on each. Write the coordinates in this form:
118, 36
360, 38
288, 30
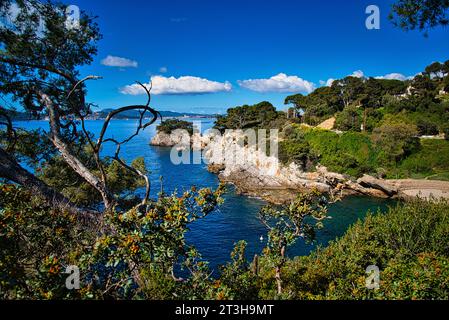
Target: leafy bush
170, 125
348, 120
295, 148
392, 151
260, 115
431, 160
350, 152
410, 245
36, 243
395, 141
134, 257
427, 128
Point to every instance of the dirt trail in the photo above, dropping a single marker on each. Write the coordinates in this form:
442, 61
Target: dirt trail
423, 188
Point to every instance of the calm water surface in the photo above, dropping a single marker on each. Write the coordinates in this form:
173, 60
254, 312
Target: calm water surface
236, 219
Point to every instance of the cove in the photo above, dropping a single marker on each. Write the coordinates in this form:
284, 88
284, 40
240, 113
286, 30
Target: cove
215, 235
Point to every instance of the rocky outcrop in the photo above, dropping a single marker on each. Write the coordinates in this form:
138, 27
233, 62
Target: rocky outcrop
378, 184
162, 139
255, 173
216, 168
179, 138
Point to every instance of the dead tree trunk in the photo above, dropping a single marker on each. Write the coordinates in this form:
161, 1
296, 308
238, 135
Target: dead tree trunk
72, 160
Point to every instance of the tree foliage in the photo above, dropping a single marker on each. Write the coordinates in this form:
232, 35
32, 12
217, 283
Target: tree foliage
420, 14
170, 125
146, 249
260, 115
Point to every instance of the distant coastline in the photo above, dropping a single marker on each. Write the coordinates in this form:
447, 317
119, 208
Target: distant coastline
101, 115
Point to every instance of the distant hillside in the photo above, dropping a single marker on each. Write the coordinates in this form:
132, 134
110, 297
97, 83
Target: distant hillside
17, 116
134, 114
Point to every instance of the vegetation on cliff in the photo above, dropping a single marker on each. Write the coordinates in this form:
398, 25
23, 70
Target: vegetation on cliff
377, 131
170, 125
261, 115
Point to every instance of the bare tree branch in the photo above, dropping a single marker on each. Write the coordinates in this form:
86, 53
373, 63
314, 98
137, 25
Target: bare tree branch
69, 158
141, 126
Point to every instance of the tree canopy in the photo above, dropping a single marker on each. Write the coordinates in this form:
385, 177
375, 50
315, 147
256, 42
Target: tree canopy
420, 14
246, 116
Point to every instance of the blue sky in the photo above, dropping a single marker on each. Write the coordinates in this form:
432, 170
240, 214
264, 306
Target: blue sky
217, 46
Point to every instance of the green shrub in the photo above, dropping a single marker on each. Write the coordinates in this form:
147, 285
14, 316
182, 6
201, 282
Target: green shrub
350, 152
427, 128
348, 120
395, 141
295, 148
409, 244
135, 259
430, 161
170, 125
446, 133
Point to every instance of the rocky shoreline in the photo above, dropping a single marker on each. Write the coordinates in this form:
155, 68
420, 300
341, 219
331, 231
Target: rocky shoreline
263, 176
247, 183
253, 185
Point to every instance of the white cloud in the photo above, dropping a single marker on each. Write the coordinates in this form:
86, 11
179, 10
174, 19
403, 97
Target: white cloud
357, 74
163, 69
182, 85
278, 83
327, 83
360, 74
113, 61
394, 76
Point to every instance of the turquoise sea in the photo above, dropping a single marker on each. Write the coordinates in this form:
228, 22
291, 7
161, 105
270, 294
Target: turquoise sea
237, 218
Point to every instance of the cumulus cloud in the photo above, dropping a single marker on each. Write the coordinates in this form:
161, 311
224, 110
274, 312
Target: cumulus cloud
182, 85
394, 76
278, 83
358, 74
163, 69
113, 61
327, 83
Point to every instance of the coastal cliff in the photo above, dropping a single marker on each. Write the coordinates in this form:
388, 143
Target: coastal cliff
179, 138
162, 139
255, 173
174, 132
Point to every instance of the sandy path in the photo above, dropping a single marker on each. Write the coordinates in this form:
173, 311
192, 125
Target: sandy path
423, 188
